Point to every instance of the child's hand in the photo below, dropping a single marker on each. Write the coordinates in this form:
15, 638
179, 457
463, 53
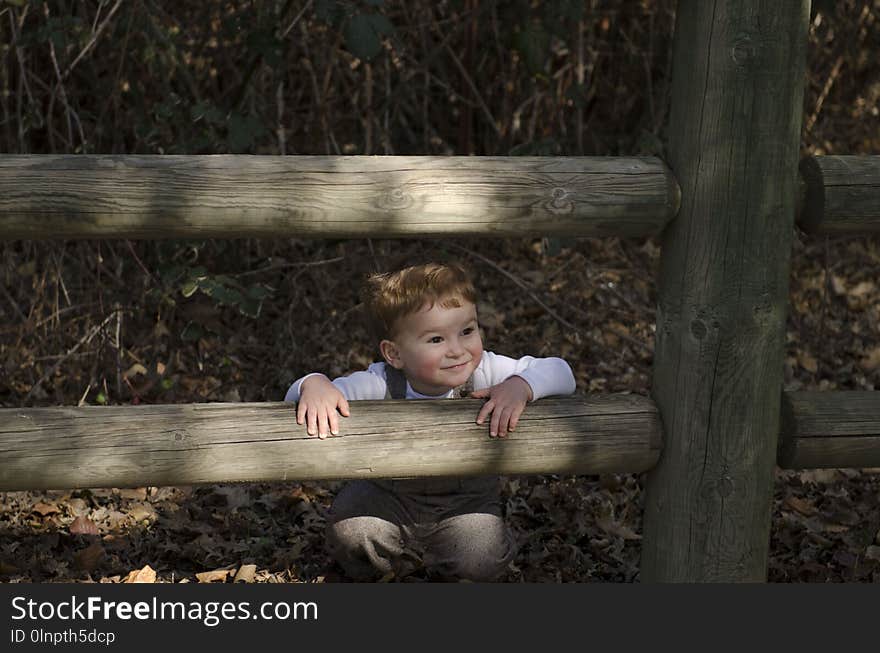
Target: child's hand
507, 401
318, 401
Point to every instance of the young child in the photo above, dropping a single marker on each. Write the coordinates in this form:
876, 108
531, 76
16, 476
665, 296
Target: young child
429, 338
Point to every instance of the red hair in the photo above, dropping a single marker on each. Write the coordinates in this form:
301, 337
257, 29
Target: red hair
391, 296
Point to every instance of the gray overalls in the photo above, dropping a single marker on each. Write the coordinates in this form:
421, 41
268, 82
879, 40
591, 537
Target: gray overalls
453, 527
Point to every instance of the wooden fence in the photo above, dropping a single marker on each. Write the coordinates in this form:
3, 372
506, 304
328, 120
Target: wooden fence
726, 215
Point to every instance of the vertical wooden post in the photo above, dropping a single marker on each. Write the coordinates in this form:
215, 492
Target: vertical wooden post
737, 91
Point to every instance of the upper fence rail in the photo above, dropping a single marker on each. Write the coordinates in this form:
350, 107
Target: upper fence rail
239, 196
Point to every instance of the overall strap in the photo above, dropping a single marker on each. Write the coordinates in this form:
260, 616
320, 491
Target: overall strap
396, 385
465, 389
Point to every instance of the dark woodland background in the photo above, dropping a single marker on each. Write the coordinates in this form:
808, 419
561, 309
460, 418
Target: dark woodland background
130, 322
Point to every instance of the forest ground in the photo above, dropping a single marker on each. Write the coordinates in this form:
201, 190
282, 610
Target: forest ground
825, 523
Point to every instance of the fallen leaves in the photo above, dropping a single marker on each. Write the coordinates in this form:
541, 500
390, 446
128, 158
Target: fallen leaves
829, 519
142, 511
145, 575
808, 362
89, 558
45, 509
803, 506
7, 569
871, 361
217, 575
83, 526
136, 493
819, 476
617, 529
569, 529
247, 573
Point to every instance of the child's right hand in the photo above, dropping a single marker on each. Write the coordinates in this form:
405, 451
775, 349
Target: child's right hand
319, 400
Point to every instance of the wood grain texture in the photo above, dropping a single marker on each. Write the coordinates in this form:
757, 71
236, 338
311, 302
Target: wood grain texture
842, 194
134, 446
236, 196
830, 429
737, 91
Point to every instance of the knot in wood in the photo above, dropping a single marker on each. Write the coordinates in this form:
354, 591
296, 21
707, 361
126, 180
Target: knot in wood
744, 51
698, 329
396, 199
725, 487
559, 202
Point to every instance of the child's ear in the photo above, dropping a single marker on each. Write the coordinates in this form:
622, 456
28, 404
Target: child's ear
391, 354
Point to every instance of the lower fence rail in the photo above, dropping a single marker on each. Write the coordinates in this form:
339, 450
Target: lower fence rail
133, 446
183, 444
829, 429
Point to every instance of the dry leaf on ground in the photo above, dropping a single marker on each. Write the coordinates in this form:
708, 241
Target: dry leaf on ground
89, 558
83, 526
803, 506
245, 574
145, 575
46, 508
217, 575
619, 530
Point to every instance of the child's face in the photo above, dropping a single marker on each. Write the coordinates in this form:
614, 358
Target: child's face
437, 348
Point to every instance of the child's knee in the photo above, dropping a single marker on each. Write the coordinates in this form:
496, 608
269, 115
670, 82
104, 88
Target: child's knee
476, 547
483, 567
363, 534
366, 547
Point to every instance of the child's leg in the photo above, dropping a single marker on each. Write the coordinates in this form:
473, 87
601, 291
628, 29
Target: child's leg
367, 532
469, 540
474, 546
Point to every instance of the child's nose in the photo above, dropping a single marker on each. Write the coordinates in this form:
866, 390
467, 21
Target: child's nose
455, 349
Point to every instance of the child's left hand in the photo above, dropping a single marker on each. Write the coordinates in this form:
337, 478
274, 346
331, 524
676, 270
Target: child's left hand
507, 400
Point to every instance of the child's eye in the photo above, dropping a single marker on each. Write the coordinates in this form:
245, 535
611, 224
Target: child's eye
468, 331
435, 340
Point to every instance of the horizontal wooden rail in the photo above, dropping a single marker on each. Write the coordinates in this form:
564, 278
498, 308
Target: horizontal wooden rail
133, 446
841, 194
182, 444
830, 429
237, 196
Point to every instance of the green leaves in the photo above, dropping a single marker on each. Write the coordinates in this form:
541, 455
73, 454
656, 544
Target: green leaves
363, 34
329, 11
538, 28
225, 291
243, 133
533, 43
362, 31
180, 276
544, 147
264, 43
207, 112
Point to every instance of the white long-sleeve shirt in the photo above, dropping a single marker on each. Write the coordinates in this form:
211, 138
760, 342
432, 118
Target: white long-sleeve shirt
546, 377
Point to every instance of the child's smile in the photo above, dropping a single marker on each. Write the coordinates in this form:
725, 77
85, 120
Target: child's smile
438, 348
